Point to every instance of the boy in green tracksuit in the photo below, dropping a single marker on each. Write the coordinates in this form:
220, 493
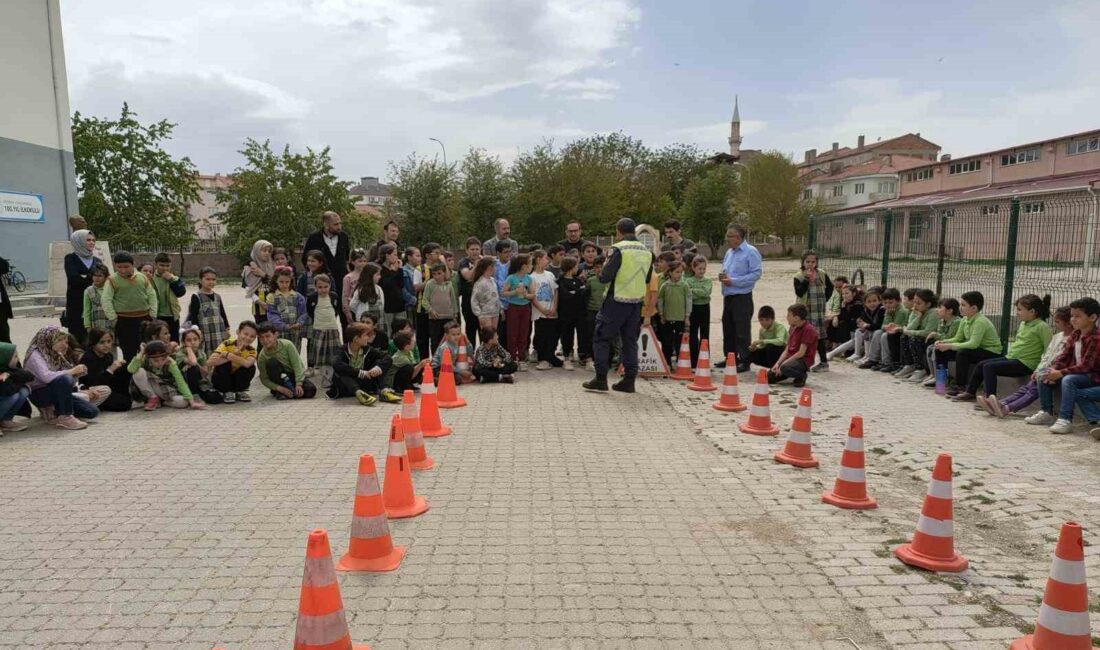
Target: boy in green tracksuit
976, 340
1023, 354
674, 307
128, 301
281, 369
771, 341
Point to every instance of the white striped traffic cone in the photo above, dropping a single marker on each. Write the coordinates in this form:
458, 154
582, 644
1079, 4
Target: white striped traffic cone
760, 413
702, 380
850, 489
730, 398
1064, 615
683, 360
798, 451
933, 545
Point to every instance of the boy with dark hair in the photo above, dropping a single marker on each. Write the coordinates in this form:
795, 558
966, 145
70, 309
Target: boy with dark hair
596, 291
406, 368
128, 301
795, 361
492, 363
771, 341
1076, 370
572, 309
975, 340
281, 369
878, 350
556, 252
169, 289
451, 334
440, 302
360, 369
234, 364
94, 316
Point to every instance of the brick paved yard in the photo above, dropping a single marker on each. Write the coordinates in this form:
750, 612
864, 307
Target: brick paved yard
559, 519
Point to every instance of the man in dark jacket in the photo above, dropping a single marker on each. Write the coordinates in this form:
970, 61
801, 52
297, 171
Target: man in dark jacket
5, 305
334, 244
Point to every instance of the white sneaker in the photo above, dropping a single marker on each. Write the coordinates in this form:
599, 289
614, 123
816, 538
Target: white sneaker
1062, 426
918, 376
1095, 433
905, 372
543, 365
1041, 418
568, 364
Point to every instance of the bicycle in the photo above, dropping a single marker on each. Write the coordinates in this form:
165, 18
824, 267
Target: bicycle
15, 279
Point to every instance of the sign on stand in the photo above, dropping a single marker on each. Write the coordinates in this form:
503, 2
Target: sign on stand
651, 359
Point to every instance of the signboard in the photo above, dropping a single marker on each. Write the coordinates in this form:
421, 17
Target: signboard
20, 206
651, 359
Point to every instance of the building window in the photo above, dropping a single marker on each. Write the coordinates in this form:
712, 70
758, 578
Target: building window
887, 187
1036, 207
1020, 157
859, 188
1083, 146
918, 175
807, 195
838, 190
964, 167
990, 210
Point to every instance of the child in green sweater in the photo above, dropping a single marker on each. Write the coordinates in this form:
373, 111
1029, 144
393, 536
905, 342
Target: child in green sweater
596, 292
281, 369
947, 326
699, 323
771, 341
94, 316
1023, 354
914, 336
976, 340
157, 379
128, 301
674, 307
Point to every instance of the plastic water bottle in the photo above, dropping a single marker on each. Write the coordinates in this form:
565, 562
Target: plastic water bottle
941, 380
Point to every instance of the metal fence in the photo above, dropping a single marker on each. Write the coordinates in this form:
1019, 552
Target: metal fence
1003, 248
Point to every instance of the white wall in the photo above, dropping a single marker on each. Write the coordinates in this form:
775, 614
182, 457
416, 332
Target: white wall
32, 66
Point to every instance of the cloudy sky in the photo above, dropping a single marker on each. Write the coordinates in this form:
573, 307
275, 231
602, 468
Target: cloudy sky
375, 79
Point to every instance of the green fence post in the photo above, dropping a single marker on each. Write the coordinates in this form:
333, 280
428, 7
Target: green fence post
811, 238
941, 252
1010, 270
887, 235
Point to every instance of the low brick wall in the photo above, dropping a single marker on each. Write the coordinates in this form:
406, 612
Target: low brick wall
227, 265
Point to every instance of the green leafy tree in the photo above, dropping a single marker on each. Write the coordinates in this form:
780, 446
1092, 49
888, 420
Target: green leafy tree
536, 209
486, 190
280, 197
708, 205
132, 192
771, 197
426, 200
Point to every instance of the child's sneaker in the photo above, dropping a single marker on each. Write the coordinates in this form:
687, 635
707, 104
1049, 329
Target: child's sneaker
1095, 433
310, 372
71, 423
567, 364
390, 397
48, 413
365, 398
1042, 418
799, 383
929, 382
905, 372
229, 398
821, 367
243, 396
868, 364
1000, 410
11, 426
1061, 426
918, 376
509, 379
152, 404
543, 365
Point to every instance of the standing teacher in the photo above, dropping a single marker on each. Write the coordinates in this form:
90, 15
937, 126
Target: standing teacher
741, 269
334, 244
627, 272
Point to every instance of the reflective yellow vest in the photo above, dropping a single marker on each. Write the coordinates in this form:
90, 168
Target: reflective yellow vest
630, 283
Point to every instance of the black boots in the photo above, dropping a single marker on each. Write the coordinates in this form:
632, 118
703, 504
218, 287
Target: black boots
624, 385
598, 383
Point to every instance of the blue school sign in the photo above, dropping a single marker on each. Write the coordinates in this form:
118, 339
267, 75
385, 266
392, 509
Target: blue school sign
21, 206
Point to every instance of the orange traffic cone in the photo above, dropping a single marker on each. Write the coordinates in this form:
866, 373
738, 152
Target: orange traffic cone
702, 370
371, 547
321, 621
760, 413
431, 426
397, 491
414, 439
683, 360
850, 489
798, 450
448, 393
730, 398
1064, 615
463, 362
933, 545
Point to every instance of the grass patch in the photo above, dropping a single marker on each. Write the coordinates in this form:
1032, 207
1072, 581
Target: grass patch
981, 498
877, 450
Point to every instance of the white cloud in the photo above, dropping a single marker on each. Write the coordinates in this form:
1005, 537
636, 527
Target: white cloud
714, 136
590, 88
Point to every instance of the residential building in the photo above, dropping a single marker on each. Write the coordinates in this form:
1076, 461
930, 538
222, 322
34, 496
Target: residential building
37, 176
859, 185
205, 214
370, 195
911, 145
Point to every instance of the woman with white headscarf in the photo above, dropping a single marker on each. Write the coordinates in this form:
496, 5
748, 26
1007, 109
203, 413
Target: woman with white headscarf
78, 272
257, 275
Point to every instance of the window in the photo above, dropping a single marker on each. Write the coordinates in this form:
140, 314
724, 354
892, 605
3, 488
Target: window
838, 190
919, 175
1020, 157
990, 210
1083, 146
807, 194
1033, 208
964, 167
887, 187
859, 188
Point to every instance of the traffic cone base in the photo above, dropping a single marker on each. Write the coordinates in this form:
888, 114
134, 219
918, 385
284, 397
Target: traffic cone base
1063, 622
375, 565
781, 457
702, 382
418, 506
798, 450
760, 413
442, 432
850, 489
866, 503
906, 554
431, 426
683, 360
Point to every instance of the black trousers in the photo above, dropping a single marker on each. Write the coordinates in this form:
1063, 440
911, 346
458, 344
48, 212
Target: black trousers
119, 400
571, 330
546, 341
894, 341
737, 312
402, 379
766, 355
5, 330
584, 334
423, 335
343, 386
670, 333
617, 320
193, 376
469, 322
227, 380
964, 360
490, 375
128, 335
699, 330
280, 374
914, 350
987, 371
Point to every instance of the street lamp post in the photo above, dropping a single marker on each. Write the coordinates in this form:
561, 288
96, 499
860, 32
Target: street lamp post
440, 143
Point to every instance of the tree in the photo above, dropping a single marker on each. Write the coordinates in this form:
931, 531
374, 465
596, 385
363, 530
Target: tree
280, 196
771, 197
426, 199
708, 205
536, 201
486, 190
132, 192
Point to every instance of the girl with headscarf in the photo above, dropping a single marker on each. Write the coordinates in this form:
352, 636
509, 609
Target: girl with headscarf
13, 390
257, 276
78, 273
50, 359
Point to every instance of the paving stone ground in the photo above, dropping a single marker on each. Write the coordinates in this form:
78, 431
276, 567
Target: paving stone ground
559, 519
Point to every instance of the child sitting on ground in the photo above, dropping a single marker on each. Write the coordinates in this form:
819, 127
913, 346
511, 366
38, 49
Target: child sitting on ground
975, 341
360, 369
842, 326
1029, 392
770, 341
914, 337
158, 330
452, 332
1023, 353
795, 361
157, 380
281, 369
867, 323
191, 359
1076, 371
948, 326
492, 363
878, 351
234, 363
407, 370
106, 370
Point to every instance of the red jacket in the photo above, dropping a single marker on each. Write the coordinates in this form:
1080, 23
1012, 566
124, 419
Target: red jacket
1090, 355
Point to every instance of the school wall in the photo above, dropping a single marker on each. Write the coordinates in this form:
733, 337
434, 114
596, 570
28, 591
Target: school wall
227, 266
